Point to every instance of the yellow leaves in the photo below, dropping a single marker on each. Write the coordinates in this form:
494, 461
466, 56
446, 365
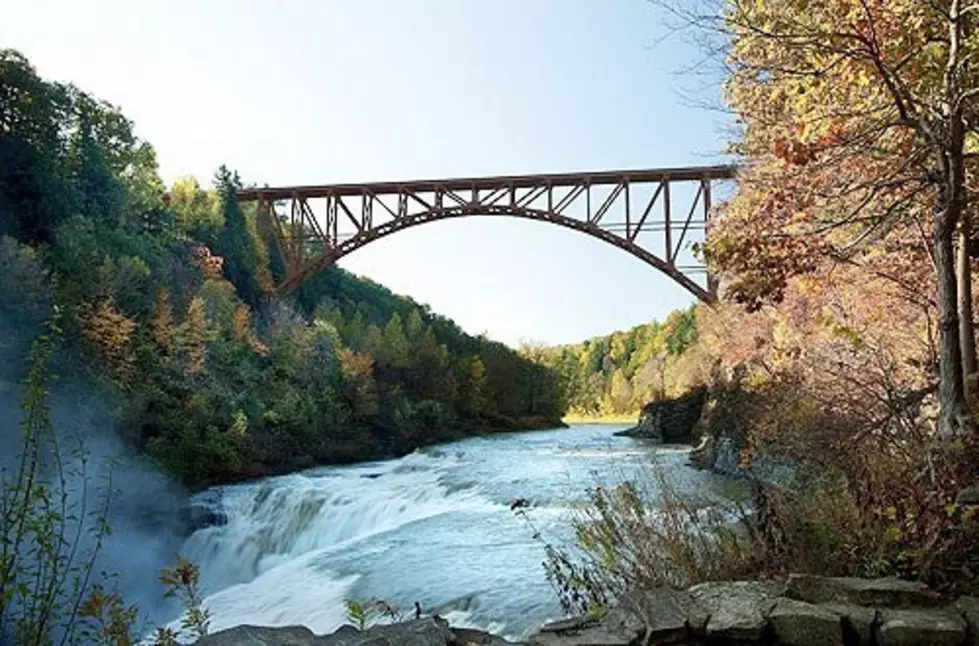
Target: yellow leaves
109, 332
161, 326
242, 330
193, 338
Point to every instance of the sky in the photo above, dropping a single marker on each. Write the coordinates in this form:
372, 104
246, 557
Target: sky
324, 91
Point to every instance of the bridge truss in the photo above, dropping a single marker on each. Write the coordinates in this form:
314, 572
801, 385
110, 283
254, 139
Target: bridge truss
635, 210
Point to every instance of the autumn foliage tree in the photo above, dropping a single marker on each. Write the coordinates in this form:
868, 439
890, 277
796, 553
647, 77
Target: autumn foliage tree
856, 118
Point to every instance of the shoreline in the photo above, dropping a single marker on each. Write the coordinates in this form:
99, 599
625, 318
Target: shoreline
630, 418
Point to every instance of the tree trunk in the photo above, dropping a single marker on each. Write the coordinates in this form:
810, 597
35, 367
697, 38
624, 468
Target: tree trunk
951, 384
967, 339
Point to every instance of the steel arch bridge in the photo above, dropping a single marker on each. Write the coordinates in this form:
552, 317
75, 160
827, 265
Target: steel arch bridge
314, 226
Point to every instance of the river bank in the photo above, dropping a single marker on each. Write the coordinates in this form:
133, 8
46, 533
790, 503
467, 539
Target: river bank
801, 610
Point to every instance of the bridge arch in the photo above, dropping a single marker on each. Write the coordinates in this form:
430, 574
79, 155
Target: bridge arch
310, 241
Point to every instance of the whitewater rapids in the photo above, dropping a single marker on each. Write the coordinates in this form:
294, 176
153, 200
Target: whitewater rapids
433, 527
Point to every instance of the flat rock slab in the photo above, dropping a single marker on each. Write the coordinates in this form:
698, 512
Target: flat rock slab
469, 637
797, 623
597, 635
879, 593
738, 610
913, 627
261, 636
858, 622
420, 632
968, 608
667, 616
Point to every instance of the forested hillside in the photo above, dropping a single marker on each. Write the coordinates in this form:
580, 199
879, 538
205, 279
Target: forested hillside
162, 298
617, 374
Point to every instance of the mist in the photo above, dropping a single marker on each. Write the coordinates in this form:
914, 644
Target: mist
145, 507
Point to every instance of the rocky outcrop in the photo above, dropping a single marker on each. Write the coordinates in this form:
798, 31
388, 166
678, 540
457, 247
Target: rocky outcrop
430, 631
723, 456
804, 610
670, 420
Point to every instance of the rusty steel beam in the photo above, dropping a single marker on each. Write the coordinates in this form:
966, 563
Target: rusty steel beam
516, 181
309, 245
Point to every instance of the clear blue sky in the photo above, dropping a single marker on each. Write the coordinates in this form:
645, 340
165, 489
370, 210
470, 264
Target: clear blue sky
321, 91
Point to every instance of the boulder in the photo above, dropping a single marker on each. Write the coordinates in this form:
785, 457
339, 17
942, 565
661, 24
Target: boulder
470, 637
858, 622
797, 623
617, 628
880, 593
262, 636
968, 608
571, 623
430, 631
912, 627
665, 615
738, 610
595, 635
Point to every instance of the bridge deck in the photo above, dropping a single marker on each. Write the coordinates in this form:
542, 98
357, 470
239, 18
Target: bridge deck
513, 181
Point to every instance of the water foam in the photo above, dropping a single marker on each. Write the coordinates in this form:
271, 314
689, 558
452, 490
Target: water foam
273, 522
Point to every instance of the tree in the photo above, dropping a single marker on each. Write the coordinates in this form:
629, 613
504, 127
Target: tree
353, 332
236, 243
476, 386
394, 345
109, 331
414, 327
193, 338
197, 212
161, 327
372, 341
855, 122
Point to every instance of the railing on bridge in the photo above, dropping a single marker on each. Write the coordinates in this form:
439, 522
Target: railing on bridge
633, 210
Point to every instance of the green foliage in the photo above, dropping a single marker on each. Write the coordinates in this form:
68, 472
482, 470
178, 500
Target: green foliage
640, 534
236, 244
182, 581
43, 577
163, 297
364, 614
620, 373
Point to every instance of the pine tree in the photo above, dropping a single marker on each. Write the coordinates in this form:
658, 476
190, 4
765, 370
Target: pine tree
414, 327
353, 332
372, 341
236, 243
394, 344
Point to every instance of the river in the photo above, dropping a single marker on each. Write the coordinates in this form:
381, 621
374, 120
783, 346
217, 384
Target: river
433, 527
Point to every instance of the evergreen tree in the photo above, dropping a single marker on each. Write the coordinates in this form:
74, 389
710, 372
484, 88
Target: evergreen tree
236, 243
414, 327
394, 345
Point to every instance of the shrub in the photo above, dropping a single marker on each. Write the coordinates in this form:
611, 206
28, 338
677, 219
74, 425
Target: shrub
641, 534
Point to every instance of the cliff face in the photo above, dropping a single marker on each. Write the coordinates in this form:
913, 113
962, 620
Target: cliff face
670, 420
